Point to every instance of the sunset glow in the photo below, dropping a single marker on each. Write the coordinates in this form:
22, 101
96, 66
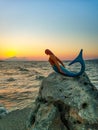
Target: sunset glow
10, 53
28, 28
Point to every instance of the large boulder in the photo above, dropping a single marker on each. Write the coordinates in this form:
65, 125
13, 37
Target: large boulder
65, 103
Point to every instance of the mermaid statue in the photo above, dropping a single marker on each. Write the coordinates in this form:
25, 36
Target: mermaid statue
59, 67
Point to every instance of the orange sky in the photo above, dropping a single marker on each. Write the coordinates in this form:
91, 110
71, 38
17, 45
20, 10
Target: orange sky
33, 48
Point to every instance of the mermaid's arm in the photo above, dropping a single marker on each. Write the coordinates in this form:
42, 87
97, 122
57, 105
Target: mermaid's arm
60, 62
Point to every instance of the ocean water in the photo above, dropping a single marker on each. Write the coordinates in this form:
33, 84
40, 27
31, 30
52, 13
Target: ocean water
20, 80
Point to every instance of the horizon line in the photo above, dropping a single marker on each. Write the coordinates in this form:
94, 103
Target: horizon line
5, 60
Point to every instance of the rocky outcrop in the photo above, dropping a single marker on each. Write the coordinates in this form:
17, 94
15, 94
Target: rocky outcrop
65, 103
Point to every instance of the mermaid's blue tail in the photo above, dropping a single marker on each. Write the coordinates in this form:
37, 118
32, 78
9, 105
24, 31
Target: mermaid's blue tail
66, 72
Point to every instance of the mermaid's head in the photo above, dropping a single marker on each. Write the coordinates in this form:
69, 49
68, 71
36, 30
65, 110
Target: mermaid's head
48, 52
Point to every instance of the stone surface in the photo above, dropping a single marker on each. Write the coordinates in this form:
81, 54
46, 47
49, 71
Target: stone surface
65, 103
15, 120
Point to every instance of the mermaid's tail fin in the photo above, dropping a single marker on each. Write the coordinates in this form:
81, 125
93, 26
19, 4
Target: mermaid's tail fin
79, 59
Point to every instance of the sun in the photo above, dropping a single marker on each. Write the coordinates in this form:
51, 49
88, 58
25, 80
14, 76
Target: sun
10, 53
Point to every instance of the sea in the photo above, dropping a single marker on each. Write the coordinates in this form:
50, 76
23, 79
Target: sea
20, 80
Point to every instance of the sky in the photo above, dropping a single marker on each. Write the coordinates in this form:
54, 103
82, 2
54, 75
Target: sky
28, 27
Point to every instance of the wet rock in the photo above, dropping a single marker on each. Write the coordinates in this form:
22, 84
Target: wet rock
11, 79
1, 96
23, 69
39, 77
3, 111
65, 103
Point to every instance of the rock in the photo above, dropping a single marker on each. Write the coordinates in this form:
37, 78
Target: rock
65, 103
15, 120
3, 111
22, 69
47, 118
11, 79
39, 77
